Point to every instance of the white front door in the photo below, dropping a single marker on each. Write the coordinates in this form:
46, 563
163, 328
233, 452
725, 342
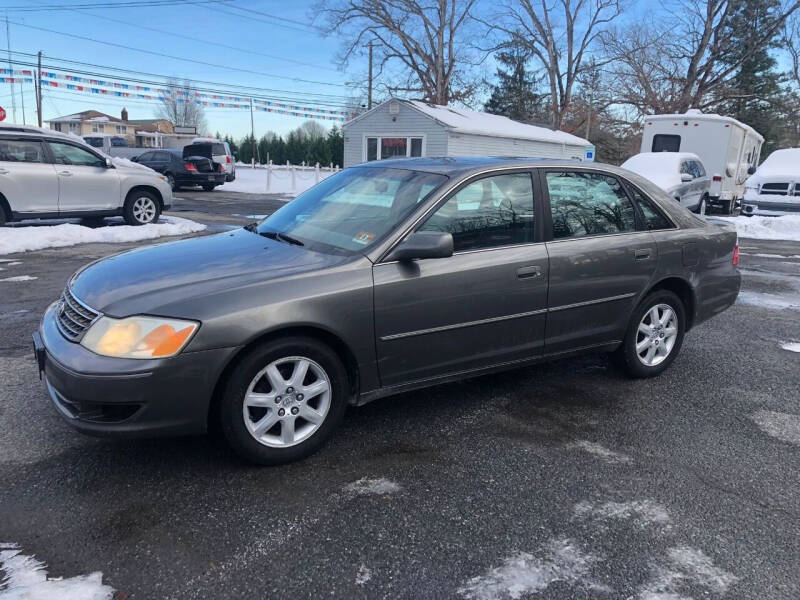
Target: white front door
84, 181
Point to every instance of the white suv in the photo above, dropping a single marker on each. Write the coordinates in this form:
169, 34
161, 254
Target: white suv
220, 154
45, 174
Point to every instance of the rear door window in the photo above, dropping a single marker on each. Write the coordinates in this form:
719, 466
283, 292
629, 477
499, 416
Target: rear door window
28, 151
666, 143
584, 204
217, 149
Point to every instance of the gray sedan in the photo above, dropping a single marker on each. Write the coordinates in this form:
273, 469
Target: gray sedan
384, 278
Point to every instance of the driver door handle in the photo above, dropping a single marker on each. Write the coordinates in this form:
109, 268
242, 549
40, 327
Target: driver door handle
3, 171
65, 173
641, 253
529, 272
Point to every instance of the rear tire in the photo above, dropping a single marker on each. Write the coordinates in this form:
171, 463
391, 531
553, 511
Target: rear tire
141, 208
730, 207
274, 410
701, 208
2, 216
653, 339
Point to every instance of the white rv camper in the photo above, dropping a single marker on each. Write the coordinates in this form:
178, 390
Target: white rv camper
728, 148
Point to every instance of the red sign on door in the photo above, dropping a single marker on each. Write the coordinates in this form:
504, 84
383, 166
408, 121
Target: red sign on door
2, 114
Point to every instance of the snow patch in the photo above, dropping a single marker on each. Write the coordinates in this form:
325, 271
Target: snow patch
791, 346
771, 301
366, 486
784, 426
601, 451
26, 579
688, 566
641, 512
254, 181
524, 574
364, 575
786, 227
121, 161
26, 239
20, 278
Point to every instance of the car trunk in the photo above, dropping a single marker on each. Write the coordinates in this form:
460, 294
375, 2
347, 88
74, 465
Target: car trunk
202, 164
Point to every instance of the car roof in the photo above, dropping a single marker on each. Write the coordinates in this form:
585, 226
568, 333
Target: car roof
462, 165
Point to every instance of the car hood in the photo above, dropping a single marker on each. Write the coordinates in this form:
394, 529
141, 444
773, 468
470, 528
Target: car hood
159, 278
772, 176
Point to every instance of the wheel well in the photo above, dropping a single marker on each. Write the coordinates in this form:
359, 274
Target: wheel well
682, 289
146, 188
4, 206
321, 335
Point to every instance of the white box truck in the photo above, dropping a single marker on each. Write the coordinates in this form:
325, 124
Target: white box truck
728, 149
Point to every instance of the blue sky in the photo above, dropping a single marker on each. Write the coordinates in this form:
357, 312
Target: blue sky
215, 22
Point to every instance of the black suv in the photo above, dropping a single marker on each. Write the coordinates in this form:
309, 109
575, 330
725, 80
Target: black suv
183, 170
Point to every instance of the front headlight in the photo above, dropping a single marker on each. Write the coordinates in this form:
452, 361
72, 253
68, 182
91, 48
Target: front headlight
138, 337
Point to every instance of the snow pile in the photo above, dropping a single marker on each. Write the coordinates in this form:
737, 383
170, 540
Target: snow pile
524, 574
786, 227
25, 239
26, 579
120, 161
689, 567
791, 346
366, 487
601, 452
254, 181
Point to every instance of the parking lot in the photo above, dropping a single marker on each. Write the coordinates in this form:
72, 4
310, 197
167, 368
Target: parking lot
564, 480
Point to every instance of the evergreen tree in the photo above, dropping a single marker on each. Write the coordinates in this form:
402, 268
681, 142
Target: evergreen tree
335, 143
515, 94
756, 96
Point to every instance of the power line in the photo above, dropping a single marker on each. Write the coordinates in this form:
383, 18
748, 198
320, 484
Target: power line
302, 28
104, 5
204, 41
189, 60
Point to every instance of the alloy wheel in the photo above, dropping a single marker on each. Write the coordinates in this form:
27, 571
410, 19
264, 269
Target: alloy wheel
287, 401
144, 209
656, 335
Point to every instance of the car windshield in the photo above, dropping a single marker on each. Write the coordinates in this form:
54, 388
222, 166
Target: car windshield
352, 210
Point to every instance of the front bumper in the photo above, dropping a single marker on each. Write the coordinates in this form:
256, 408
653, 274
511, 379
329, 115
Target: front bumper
100, 395
770, 204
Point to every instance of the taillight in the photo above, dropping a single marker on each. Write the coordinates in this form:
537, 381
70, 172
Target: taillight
190, 167
228, 159
736, 255
716, 178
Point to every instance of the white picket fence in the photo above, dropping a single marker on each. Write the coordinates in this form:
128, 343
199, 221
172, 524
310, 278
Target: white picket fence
272, 178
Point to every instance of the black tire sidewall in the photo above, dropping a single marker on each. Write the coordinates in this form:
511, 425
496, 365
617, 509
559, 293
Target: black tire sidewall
208, 188
627, 352
171, 181
231, 403
127, 211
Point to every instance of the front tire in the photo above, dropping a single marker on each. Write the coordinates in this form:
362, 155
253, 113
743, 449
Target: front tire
141, 208
654, 335
283, 400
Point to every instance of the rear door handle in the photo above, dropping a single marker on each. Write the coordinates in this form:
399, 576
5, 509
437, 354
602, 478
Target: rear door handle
529, 272
3, 171
65, 173
641, 254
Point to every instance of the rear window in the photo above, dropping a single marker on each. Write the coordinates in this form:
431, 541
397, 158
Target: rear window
94, 142
218, 149
666, 143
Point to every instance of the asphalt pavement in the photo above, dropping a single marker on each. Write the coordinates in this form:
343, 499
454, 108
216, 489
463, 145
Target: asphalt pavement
563, 480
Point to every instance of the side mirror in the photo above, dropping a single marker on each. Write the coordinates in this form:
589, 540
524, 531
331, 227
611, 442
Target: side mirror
424, 244
687, 177
109, 163
751, 171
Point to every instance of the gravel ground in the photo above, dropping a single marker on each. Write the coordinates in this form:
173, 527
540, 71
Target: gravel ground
564, 480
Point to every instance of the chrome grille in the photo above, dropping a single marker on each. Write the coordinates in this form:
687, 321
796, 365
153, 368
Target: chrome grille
74, 317
777, 189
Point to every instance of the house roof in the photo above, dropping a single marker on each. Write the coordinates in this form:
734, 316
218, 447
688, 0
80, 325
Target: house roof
87, 115
462, 120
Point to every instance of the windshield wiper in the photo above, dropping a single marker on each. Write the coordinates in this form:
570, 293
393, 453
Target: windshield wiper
282, 237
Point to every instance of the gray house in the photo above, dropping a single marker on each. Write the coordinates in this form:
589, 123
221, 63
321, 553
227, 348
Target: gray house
398, 128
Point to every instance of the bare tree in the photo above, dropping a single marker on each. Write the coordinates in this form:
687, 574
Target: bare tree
425, 40
686, 61
791, 40
559, 35
180, 106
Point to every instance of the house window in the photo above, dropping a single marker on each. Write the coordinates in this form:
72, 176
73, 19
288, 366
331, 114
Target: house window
121, 128
97, 128
57, 126
75, 127
382, 148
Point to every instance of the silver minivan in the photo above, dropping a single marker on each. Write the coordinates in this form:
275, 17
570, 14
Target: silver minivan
45, 174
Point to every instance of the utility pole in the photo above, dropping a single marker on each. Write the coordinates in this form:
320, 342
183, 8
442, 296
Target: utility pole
589, 114
13, 93
252, 134
38, 86
369, 79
